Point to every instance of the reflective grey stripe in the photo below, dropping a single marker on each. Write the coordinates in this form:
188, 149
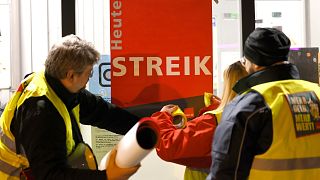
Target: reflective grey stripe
286, 164
8, 169
7, 141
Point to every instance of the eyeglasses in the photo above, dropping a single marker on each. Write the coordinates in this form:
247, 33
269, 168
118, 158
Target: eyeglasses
243, 61
91, 73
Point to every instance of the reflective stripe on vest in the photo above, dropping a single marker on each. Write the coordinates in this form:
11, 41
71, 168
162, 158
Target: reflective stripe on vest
8, 169
289, 156
7, 141
286, 164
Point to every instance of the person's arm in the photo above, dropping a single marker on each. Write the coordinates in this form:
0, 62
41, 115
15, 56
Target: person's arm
245, 131
114, 172
43, 137
189, 146
211, 102
94, 110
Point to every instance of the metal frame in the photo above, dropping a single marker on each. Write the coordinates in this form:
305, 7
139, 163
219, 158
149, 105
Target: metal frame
247, 20
68, 10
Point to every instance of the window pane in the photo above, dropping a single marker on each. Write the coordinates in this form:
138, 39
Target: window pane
226, 39
286, 15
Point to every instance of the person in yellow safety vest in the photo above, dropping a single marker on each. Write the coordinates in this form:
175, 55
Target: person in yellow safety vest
40, 136
191, 146
271, 130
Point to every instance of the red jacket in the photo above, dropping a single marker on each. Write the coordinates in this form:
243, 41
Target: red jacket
190, 146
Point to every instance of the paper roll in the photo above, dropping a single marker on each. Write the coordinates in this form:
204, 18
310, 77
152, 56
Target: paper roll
136, 144
179, 118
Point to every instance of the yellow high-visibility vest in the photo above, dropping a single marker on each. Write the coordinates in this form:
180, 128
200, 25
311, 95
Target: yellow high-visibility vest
295, 150
34, 85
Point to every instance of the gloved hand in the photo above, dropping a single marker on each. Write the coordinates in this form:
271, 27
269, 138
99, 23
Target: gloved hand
169, 108
211, 102
116, 173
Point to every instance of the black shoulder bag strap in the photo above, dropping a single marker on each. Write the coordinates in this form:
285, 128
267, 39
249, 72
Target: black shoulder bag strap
75, 129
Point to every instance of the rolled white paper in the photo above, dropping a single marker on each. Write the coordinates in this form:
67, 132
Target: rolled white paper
135, 145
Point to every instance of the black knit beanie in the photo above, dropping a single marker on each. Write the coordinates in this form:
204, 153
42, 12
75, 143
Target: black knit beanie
266, 46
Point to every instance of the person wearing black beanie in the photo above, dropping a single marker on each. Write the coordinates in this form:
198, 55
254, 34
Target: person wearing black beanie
266, 46
271, 130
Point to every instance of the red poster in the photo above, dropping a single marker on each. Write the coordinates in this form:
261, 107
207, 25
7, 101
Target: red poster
161, 53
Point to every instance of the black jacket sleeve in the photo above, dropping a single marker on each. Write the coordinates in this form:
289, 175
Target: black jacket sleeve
245, 131
43, 136
94, 110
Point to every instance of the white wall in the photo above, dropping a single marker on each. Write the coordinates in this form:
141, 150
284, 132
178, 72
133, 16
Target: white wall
34, 26
40, 28
5, 70
92, 23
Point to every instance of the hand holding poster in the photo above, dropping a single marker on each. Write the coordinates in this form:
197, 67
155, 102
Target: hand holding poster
135, 145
